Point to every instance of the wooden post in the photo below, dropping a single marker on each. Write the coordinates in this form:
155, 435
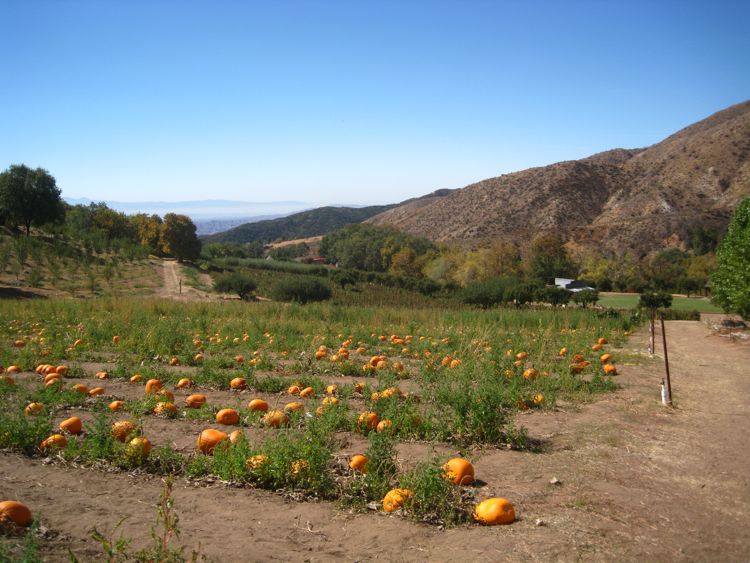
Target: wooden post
651, 346
666, 362
180, 286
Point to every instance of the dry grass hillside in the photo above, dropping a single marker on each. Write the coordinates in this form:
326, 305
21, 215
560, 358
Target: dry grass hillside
619, 200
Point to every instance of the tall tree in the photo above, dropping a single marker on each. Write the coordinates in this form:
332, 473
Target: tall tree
179, 238
549, 259
29, 197
731, 280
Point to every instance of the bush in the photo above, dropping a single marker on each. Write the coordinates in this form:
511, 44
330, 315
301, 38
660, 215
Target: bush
586, 297
301, 290
555, 296
235, 282
655, 300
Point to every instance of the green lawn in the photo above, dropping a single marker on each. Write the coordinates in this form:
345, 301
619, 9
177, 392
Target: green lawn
629, 301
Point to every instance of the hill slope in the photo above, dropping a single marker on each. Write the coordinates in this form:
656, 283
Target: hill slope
618, 200
299, 225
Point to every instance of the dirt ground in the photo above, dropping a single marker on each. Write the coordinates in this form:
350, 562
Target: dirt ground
636, 481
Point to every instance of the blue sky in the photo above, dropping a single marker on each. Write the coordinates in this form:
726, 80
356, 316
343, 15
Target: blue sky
349, 101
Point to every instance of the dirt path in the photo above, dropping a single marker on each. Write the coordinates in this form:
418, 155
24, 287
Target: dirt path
637, 481
175, 287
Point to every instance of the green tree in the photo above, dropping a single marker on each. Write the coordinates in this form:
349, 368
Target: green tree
29, 197
549, 259
731, 280
235, 282
179, 239
586, 297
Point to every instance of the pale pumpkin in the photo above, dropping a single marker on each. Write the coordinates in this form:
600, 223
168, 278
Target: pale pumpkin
294, 406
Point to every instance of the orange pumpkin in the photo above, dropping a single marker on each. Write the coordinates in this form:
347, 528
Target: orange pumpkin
153, 386
122, 429
255, 462
137, 378
55, 441
139, 447
258, 405
294, 406
227, 416
72, 425
275, 419
609, 369
54, 382
96, 391
183, 383
81, 388
530, 373
115, 406
174, 361
368, 420
601, 341
307, 392
383, 426
164, 407
101, 375
16, 512
293, 390
332, 389
62, 370
33, 408
604, 358
195, 401
209, 439
358, 462
115, 339
394, 499
50, 376
494, 511
459, 471
238, 383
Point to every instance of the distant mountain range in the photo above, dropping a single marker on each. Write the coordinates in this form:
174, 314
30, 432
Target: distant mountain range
620, 200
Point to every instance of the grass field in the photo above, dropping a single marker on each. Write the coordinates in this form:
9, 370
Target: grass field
630, 301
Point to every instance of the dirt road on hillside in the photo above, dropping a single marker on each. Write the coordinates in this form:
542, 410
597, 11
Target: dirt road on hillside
175, 287
636, 482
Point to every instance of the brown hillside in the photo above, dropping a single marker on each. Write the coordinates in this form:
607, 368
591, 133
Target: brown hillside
620, 199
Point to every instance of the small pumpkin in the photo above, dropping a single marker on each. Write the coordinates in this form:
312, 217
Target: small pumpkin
137, 378
494, 511
33, 408
72, 425
153, 386
254, 463
101, 375
227, 416
184, 383
609, 369
53, 442
395, 498
236, 437
293, 390
116, 406
530, 373
294, 406
51, 375
275, 419
62, 370
238, 383
16, 512
307, 392
13, 369
332, 389
258, 405
164, 407
96, 391
195, 401
139, 448
601, 341
81, 388
116, 339
384, 426
209, 439
368, 420
459, 471
122, 429
174, 361
604, 358
358, 462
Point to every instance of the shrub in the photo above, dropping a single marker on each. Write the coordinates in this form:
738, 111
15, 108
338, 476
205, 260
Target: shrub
235, 282
555, 296
301, 290
586, 297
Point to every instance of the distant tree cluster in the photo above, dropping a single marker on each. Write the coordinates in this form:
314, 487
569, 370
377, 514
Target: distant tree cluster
31, 198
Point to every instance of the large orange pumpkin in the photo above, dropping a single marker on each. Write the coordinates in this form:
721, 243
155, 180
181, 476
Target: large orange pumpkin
394, 499
209, 439
72, 425
152, 386
358, 462
16, 512
195, 401
238, 383
294, 406
494, 511
227, 416
258, 405
368, 420
275, 419
307, 392
122, 429
56, 441
459, 471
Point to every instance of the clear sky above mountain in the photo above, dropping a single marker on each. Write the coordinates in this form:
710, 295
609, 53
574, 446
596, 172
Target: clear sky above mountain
349, 101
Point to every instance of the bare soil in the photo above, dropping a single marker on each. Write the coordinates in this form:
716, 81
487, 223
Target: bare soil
635, 481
